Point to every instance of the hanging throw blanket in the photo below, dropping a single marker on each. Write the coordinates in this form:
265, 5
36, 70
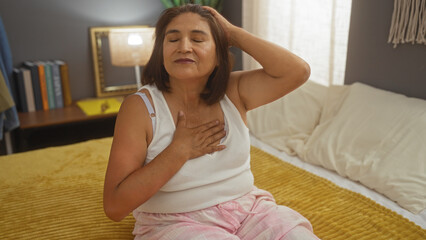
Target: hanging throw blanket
408, 22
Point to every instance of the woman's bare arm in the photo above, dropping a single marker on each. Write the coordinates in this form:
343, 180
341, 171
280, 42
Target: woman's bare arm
281, 73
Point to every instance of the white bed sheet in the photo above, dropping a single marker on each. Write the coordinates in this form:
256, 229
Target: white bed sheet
419, 219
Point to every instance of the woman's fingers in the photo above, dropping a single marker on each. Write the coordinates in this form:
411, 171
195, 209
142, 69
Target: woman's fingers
211, 131
199, 140
226, 25
212, 149
205, 127
215, 138
208, 137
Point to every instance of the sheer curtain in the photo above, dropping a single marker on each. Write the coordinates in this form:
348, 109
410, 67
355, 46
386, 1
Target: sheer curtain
316, 30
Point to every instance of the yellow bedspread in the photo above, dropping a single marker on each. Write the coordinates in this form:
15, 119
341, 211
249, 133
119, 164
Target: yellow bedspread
56, 193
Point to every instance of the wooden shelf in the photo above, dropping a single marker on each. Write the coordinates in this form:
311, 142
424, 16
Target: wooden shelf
60, 126
59, 116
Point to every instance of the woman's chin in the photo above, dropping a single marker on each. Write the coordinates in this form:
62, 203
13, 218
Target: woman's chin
188, 76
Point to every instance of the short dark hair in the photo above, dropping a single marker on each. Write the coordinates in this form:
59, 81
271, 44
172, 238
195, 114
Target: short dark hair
154, 71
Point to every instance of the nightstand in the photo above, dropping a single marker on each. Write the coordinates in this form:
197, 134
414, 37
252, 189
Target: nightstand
60, 127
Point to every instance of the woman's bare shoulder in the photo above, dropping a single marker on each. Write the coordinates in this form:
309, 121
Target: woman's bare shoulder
134, 105
133, 117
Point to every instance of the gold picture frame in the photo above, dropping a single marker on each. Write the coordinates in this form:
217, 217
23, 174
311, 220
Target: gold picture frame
110, 80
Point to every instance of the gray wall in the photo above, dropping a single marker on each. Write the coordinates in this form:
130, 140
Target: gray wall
59, 29
232, 10
373, 61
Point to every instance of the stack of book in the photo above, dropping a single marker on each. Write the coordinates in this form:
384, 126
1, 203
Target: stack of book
41, 85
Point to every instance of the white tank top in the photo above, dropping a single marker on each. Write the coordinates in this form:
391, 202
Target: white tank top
207, 180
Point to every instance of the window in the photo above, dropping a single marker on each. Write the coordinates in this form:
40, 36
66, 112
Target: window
316, 30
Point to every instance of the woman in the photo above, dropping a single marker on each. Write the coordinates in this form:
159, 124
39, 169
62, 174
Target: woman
180, 158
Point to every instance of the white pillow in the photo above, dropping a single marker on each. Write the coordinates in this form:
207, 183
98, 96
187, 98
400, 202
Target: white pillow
287, 122
375, 137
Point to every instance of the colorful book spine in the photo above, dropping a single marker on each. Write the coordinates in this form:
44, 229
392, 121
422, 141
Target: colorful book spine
43, 88
19, 79
49, 85
28, 84
66, 90
36, 84
57, 85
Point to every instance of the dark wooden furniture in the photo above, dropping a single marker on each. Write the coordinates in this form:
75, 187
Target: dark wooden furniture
59, 127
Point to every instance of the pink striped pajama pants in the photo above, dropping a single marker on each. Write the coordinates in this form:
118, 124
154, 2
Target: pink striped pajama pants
252, 216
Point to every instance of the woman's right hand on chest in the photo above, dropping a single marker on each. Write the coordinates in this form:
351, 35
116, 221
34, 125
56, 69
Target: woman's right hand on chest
197, 141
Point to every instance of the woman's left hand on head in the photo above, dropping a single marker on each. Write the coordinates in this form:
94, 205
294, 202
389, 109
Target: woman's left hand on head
226, 25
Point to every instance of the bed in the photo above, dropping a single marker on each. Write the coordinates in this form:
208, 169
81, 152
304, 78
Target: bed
310, 149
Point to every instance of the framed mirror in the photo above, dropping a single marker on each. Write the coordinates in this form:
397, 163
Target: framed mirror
110, 80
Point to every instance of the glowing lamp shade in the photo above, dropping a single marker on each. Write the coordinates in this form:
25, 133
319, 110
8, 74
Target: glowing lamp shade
131, 47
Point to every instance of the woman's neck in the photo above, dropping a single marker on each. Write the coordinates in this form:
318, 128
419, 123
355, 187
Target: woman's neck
187, 94
185, 97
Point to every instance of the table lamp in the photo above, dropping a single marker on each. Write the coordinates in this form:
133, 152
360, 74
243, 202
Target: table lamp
131, 47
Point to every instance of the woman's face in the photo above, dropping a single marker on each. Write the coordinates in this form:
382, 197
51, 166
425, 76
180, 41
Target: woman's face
189, 49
